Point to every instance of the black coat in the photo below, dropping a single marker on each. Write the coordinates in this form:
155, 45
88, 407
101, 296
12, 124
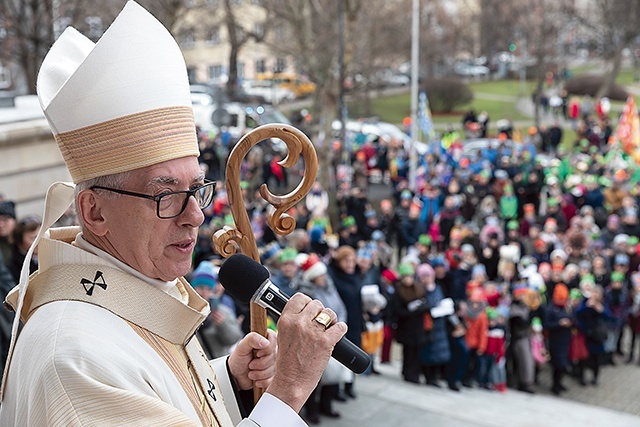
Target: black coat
349, 286
410, 324
559, 336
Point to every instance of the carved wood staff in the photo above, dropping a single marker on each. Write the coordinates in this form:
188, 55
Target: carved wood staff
280, 222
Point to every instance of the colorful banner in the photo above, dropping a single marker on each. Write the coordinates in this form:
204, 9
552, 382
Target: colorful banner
628, 130
424, 117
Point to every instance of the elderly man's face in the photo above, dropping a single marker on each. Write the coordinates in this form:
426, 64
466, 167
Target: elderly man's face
158, 248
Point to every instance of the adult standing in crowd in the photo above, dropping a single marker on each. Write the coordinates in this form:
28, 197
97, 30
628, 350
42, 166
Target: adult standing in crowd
342, 270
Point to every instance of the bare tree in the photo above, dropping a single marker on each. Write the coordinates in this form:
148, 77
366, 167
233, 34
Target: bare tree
614, 25
27, 36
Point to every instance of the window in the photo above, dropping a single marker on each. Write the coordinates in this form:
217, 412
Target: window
215, 72
188, 37
5, 77
240, 70
260, 66
213, 35
281, 65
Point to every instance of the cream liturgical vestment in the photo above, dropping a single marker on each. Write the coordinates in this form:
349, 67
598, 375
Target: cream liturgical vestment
103, 347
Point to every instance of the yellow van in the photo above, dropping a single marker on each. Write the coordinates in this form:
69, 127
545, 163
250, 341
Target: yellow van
299, 85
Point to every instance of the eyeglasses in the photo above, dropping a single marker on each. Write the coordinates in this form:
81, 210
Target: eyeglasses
172, 204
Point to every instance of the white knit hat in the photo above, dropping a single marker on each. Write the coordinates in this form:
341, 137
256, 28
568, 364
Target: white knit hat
122, 103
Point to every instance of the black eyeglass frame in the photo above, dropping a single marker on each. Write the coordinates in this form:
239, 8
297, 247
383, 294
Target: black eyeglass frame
159, 197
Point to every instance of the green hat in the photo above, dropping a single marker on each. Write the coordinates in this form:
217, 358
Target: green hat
536, 321
425, 239
513, 224
584, 142
617, 276
604, 181
287, 254
575, 294
349, 221
492, 313
633, 240
588, 278
552, 201
406, 270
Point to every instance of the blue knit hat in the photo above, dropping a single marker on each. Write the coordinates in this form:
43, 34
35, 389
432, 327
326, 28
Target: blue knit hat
204, 275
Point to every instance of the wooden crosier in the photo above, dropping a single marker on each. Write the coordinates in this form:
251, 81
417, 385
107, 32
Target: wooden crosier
280, 222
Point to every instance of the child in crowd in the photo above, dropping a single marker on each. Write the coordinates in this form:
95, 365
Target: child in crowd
496, 375
476, 337
538, 349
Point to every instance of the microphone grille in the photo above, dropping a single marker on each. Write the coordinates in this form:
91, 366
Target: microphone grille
241, 276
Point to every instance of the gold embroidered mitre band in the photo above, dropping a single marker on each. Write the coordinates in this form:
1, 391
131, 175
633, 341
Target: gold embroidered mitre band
119, 104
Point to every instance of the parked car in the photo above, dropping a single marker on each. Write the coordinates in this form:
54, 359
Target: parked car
270, 92
470, 70
297, 84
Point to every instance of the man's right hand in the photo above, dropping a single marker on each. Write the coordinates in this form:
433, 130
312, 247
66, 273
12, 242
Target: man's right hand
304, 349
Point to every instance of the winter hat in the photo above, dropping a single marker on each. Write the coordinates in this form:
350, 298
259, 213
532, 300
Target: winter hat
536, 324
492, 313
621, 259
269, 252
439, 261
513, 225
560, 294
348, 221
558, 253
425, 239
205, 275
425, 270
468, 248
313, 268
390, 275
575, 294
8, 209
316, 233
120, 104
617, 276
620, 239
287, 255
405, 269
364, 254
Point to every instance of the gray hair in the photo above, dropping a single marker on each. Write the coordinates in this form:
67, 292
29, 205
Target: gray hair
115, 180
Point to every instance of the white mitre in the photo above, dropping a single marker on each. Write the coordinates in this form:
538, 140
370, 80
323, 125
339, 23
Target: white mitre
122, 103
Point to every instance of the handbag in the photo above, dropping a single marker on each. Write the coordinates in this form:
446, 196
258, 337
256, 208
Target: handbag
578, 347
427, 322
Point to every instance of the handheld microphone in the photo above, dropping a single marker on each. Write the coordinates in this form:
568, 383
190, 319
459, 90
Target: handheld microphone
247, 280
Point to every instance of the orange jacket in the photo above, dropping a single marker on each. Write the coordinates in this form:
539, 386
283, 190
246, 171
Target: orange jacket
477, 328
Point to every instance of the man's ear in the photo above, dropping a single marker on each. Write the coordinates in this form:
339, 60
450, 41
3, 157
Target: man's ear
89, 207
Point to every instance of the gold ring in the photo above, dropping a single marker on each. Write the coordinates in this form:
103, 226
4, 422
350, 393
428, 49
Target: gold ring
324, 319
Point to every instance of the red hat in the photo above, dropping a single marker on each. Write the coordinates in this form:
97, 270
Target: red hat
390, 275
313, 268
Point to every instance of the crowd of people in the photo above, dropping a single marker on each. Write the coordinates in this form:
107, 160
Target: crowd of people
519, 260
492, 267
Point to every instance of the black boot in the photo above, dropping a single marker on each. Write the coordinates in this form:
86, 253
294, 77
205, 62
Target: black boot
349, 391
327, 394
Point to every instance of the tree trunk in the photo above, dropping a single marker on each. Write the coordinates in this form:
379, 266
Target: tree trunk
609, 80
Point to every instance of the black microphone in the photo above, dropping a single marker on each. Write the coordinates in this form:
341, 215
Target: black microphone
247, 280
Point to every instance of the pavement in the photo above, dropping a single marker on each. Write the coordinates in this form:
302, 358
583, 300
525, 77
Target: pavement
386, 400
